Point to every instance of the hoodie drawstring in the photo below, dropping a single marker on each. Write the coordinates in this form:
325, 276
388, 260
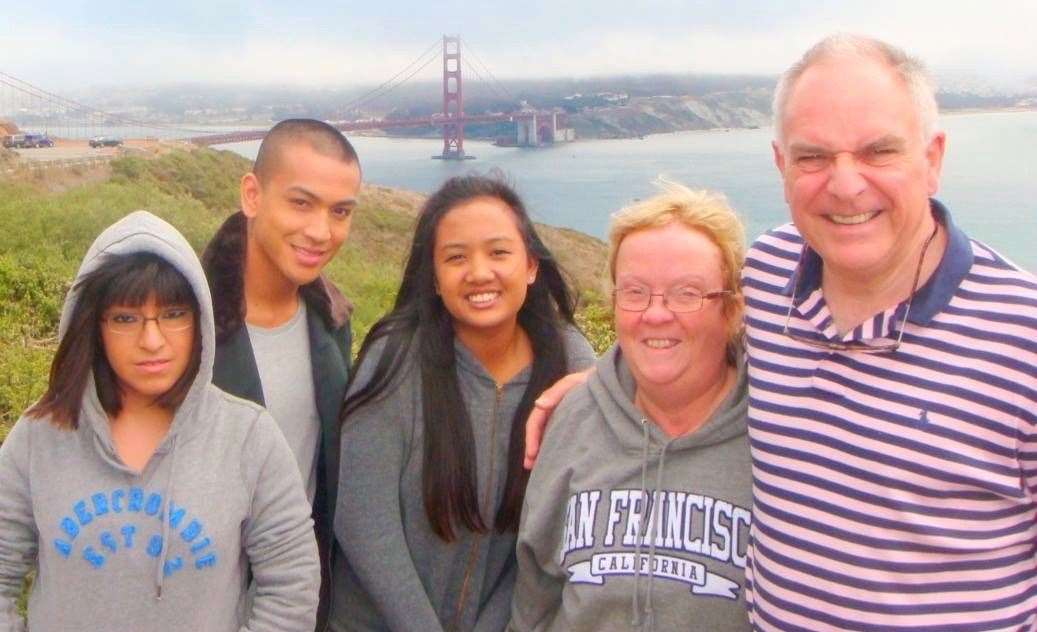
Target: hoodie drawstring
656, 521
636, 618
655, 516
160, 572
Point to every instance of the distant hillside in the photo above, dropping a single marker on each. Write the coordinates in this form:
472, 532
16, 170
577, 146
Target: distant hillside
628, 107
653, 115
46, 225
598, 107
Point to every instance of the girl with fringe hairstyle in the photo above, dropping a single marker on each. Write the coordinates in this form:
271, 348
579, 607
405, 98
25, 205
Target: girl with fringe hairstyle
141, 495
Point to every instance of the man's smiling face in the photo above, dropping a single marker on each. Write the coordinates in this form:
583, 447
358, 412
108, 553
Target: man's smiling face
857, 171
301, 212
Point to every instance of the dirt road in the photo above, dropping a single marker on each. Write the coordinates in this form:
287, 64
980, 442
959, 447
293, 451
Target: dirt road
65, 150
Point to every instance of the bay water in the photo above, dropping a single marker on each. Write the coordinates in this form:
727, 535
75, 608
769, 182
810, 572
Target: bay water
989, 175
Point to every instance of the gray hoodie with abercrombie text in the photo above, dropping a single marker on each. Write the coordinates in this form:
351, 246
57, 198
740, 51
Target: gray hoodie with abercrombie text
625, 528
168, 548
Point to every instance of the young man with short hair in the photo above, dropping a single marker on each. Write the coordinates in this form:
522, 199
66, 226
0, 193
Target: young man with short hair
282, 328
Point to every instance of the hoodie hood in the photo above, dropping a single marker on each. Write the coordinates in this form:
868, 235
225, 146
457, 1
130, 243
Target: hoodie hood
142, 232
139, 232
613, 388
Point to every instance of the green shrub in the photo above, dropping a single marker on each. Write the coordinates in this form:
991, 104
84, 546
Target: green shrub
129, 169
208, 176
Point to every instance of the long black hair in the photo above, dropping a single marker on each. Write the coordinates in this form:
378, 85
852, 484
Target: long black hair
120, 280
448, 474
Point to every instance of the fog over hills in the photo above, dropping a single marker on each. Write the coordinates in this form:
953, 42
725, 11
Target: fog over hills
597, 107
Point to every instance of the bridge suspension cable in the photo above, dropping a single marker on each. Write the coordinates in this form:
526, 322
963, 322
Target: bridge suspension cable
488, 88
495, 82
71, 104
387, 86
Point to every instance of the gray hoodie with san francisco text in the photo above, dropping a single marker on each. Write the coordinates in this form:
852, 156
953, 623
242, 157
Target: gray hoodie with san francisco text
626, 528
170, 547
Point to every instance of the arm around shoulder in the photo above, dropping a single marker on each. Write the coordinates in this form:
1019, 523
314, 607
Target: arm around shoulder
543, 407
580, 359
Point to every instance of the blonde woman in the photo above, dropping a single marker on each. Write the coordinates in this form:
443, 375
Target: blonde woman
637, 513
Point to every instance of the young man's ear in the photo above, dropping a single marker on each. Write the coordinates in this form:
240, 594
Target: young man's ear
250, 193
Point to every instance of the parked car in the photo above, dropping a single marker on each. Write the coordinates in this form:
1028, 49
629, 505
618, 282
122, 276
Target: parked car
105, 141
36, 140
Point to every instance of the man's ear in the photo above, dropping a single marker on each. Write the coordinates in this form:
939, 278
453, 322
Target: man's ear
779, 162
934, 156
250, 192
779, 158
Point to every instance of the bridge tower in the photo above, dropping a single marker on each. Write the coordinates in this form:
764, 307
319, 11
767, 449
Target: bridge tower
453, 101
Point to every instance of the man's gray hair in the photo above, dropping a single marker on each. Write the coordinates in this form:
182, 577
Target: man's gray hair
910, 70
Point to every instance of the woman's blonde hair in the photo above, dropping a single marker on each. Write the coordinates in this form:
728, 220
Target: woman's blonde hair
704, 211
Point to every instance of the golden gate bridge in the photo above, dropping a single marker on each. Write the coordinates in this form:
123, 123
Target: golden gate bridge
35, 109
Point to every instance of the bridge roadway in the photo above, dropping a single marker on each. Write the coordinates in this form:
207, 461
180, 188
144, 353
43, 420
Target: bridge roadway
434, 120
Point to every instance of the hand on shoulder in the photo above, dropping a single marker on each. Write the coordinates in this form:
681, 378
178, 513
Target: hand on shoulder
544, 405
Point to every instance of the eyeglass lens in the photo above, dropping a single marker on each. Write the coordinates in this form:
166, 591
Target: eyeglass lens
173, 319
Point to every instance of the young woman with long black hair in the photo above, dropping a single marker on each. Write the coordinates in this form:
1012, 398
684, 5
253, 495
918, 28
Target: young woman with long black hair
431, 483
142, 495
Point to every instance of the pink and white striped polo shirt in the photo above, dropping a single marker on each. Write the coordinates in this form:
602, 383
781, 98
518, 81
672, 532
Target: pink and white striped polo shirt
895, 491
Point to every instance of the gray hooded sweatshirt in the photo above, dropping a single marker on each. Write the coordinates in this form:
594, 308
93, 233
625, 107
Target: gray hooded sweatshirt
396, 573
168, 548
625, 528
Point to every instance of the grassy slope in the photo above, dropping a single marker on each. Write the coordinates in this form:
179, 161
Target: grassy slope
46, 227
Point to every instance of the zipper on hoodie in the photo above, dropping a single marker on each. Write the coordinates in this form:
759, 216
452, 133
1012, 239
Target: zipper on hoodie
490, 480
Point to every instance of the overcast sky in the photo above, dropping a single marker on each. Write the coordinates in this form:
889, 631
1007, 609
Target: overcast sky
63, 44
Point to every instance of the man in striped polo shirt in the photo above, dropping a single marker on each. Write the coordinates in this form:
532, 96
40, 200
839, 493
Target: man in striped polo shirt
893, 373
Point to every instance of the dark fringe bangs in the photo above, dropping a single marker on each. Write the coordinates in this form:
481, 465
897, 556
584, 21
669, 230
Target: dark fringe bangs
131, 279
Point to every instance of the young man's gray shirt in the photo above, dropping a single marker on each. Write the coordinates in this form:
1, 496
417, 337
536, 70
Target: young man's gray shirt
283, 361
398, 575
